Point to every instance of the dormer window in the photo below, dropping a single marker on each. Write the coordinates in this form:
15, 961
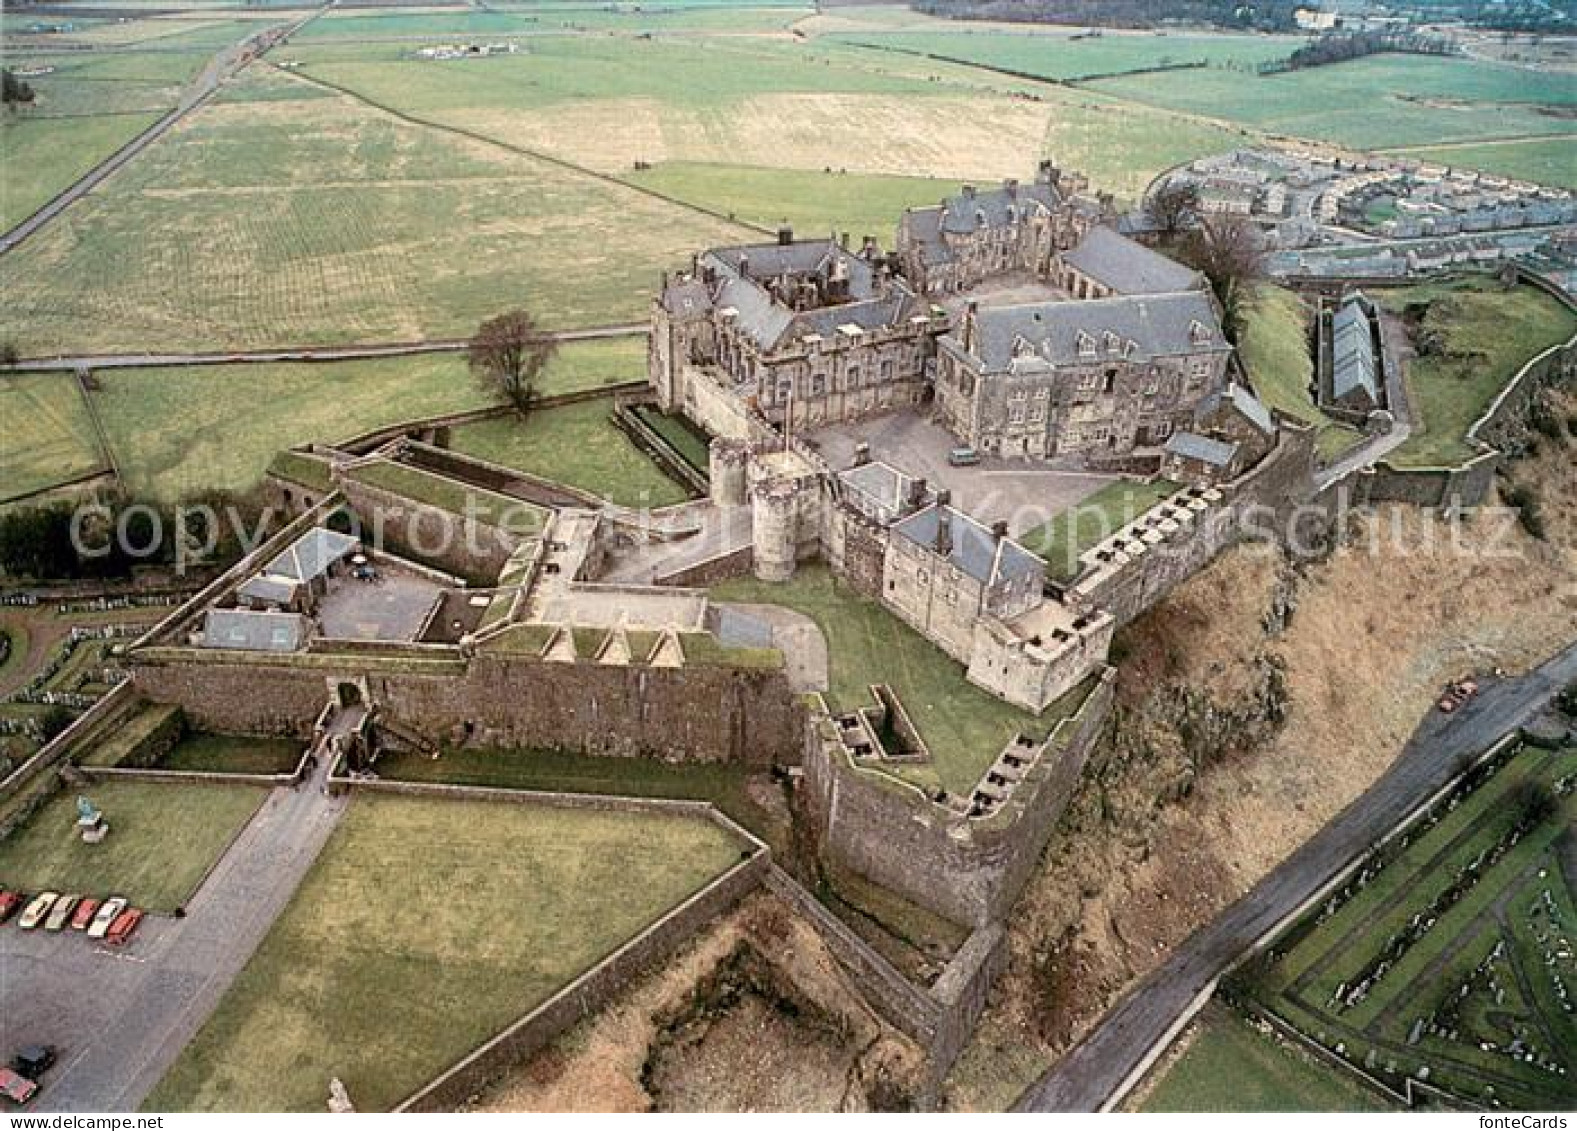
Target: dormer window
1086, 345
1197, 333
1022, 347
1131, 348
1114, 344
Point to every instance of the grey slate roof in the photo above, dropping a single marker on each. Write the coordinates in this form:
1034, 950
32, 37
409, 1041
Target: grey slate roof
1245, 402
1156, 325
1127, 267
312, 554
1352, 352
244, 630
1190, 445
883, 485
269, 588
973, 209
976, 551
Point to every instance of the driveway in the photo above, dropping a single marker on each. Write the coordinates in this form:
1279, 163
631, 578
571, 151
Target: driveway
121, 1017
1098, 1070
1022, 493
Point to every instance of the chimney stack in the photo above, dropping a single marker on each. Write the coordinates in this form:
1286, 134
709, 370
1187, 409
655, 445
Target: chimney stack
944, 533
862, 454
785, 236
944, 498
967, 330
916, 493
999, 529
744, 266
969, 192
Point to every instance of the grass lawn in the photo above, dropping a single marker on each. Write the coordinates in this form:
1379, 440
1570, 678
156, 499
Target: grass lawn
1075, 530
1231, 1066
576, 444
262, 242
1278, 354
1488, 334
724, 785
49, 435
163, 839
812, 202
175, 431
964, 726
424, 928
234, 754
682, 434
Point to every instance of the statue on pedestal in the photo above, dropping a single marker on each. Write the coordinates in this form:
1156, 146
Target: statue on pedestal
90, 821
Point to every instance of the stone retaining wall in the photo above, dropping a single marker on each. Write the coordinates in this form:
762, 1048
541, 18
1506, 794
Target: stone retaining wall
711, 571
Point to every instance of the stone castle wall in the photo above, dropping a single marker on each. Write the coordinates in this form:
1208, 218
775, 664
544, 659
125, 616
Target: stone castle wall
700, 713
968, 870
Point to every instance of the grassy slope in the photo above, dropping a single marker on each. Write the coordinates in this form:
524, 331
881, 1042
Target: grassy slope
229, 754
424, 928
1276, 353
1232, 1067
1489, 334
1548, 161
57, 441
179, 430
575, 444
162, 840
964, 726
1065, 537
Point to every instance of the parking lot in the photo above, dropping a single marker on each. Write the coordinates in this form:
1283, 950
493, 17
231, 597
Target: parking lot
1022, 493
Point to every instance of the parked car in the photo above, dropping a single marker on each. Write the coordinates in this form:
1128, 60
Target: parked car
1457, 694
123, 926
60, 913
33, 1061
963, 457
109, 911
9, 902
83, 918
17, 1089
34, 915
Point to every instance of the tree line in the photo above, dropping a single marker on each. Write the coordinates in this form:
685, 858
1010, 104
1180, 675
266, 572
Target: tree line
1268, 15
1338, 47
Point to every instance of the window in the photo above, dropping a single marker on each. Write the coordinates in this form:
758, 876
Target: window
1015, 414
1037, 414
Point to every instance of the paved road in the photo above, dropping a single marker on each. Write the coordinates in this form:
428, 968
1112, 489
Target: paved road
226, 63
1093, 1072
295, 353
120, 1018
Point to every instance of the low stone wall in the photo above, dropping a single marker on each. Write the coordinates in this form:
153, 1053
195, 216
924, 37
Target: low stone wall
698, 713
197, 777
969, 870
460, 546
962, 992
734, 563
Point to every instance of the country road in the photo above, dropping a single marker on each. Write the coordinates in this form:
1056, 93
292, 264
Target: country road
293, 353
1096, 1073
197, 93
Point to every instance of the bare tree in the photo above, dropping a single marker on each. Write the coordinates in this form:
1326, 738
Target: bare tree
1229, 251
1173, 206
508, 354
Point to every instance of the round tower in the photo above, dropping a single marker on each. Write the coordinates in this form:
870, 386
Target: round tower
773, 523
727, 471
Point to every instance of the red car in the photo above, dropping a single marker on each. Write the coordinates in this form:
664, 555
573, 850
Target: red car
9, 902
123, 926
1457, 694
84, 914
17, 1089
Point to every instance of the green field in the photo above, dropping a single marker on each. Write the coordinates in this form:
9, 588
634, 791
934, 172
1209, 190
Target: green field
175, 431
1061, 57
1278, 354
162, 841
1446, 953
964, 726
1230, 1066
813, 203
424, 928
1370, 103
232, 754
1091, 521
576, 444
57, 442
1487, 335
1550, 161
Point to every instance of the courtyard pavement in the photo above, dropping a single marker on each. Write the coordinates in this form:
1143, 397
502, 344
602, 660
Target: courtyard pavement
1025, 494
393, 607
120, 1017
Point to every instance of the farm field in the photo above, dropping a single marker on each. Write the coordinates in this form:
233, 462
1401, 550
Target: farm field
332, 991
1276, 353
58, 443
162, 841
1064, 538
964, 726
1448, 959
1231, 1066
175, 431
263, 241
1486, 334
576, 444
1062, 57
1375, 102
1548, 161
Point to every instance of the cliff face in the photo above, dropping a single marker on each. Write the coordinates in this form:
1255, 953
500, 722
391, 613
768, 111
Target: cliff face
1252, 705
